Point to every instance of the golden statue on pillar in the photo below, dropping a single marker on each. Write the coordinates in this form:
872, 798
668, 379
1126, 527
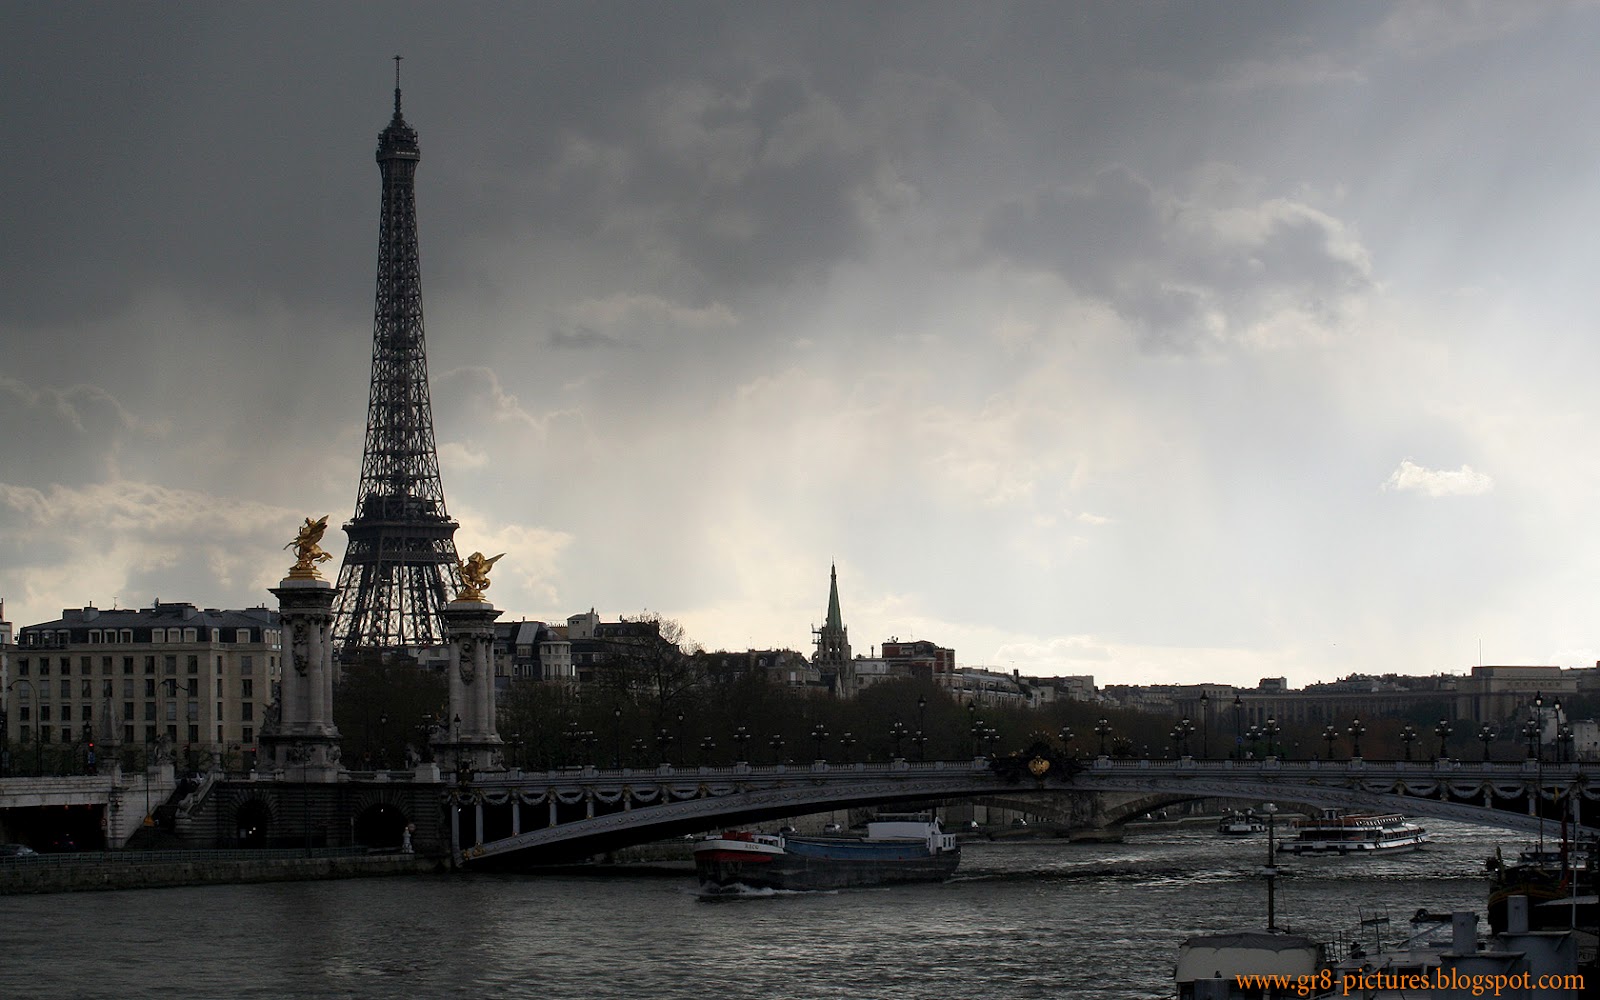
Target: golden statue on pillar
475, 576
307, 553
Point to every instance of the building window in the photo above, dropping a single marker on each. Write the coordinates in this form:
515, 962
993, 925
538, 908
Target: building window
66, 688
194, 687
44, 713
127, 636
149, 689
172, 712
170, 664
249, 734
247, 689
23, 713
190, 635
94, 637
87, 715
194, 664
127, 712
66, 734
247, 665
105, 666
150, 712
242, 635
127, 665
87, 689
66, 713
149, 734
66, 666
149, 665
127, 733
105, 689
219, 690
194, 734
158, 635
247, 712
22, 667
44, 666
194, 711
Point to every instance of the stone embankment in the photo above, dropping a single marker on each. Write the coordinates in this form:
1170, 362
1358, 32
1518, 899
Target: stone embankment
162, 869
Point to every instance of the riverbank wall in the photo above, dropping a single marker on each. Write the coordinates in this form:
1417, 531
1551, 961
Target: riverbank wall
165, 869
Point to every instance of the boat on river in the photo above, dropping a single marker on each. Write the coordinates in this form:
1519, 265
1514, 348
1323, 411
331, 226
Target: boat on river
1241, 824
1336, 832
894, 848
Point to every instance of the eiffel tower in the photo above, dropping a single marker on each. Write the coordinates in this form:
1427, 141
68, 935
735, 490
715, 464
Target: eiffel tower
400, 566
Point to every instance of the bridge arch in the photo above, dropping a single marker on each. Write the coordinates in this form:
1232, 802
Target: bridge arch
253, 820
379, 819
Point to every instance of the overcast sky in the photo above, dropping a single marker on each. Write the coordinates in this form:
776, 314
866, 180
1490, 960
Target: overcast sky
1155, 342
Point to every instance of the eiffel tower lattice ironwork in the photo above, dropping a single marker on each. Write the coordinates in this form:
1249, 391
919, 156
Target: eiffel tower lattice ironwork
400, 566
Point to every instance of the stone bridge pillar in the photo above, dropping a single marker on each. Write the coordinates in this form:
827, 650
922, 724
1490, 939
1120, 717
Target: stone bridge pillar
467, 738
302, 742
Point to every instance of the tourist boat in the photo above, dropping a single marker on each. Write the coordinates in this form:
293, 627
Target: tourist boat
1336, 832
895, 848
1237, 824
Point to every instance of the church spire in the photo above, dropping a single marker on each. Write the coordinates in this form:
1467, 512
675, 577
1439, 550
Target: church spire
835, 620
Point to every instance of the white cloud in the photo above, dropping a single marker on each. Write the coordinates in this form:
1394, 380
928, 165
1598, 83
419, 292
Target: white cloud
1413, 478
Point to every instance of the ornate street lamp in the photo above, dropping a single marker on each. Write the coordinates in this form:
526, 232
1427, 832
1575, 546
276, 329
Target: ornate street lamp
663, 741
1270, 731
1356, 731
1486, 736
1564, 740
897, 733
1103, 727
819, 732
847, 741
1205, 726
1176, 738
1066, 739
922, 708
1185, 730
1329, 735
1443, 731
741, 736
1408, 736
707, 744
991, 735
1238, 717
921, 740
972, 725
1253, 737
639, 750
1531, 731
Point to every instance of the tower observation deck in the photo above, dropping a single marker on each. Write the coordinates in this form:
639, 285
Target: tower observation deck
400, 566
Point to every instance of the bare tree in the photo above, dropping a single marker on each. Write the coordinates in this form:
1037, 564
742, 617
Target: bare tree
651, 660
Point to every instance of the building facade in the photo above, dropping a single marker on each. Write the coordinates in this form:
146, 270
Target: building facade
198, 681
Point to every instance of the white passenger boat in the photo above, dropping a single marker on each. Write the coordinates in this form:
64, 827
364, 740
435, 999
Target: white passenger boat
1336, 832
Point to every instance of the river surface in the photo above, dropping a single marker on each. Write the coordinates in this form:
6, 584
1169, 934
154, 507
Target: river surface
1020, 920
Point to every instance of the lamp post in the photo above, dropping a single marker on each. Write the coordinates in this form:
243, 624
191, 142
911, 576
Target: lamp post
383, 740
663, 741
1564, 740
1329, 735
1443, 731
707, 744
1531, 731
1270, 731
922, 708
991, 735
1486, 736
1408, 736
1103, 727
1271, 869
972, 725
847, 741
1185, 730
1238, 719
616, 736
1205, 726
1253, 737
741, 736
1176, 737
1356, 729
639, 748
777, 749
897, 733
1066, 739
819, 732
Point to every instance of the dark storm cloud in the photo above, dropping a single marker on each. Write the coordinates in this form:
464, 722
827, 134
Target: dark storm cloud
1182, 268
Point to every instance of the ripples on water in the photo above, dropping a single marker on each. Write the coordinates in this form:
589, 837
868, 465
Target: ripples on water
1021, 920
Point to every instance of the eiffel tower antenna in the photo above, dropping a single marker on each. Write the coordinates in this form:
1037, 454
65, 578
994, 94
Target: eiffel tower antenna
400, 566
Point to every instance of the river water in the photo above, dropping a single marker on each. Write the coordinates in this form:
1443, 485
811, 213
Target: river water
1021, 920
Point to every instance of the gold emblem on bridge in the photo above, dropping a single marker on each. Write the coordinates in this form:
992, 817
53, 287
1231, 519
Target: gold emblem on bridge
1038, 766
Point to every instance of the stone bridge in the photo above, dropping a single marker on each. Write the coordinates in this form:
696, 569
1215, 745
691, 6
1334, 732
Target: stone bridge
93, 809
518, 817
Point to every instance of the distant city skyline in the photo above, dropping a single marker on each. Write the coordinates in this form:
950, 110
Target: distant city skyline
1154, 342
